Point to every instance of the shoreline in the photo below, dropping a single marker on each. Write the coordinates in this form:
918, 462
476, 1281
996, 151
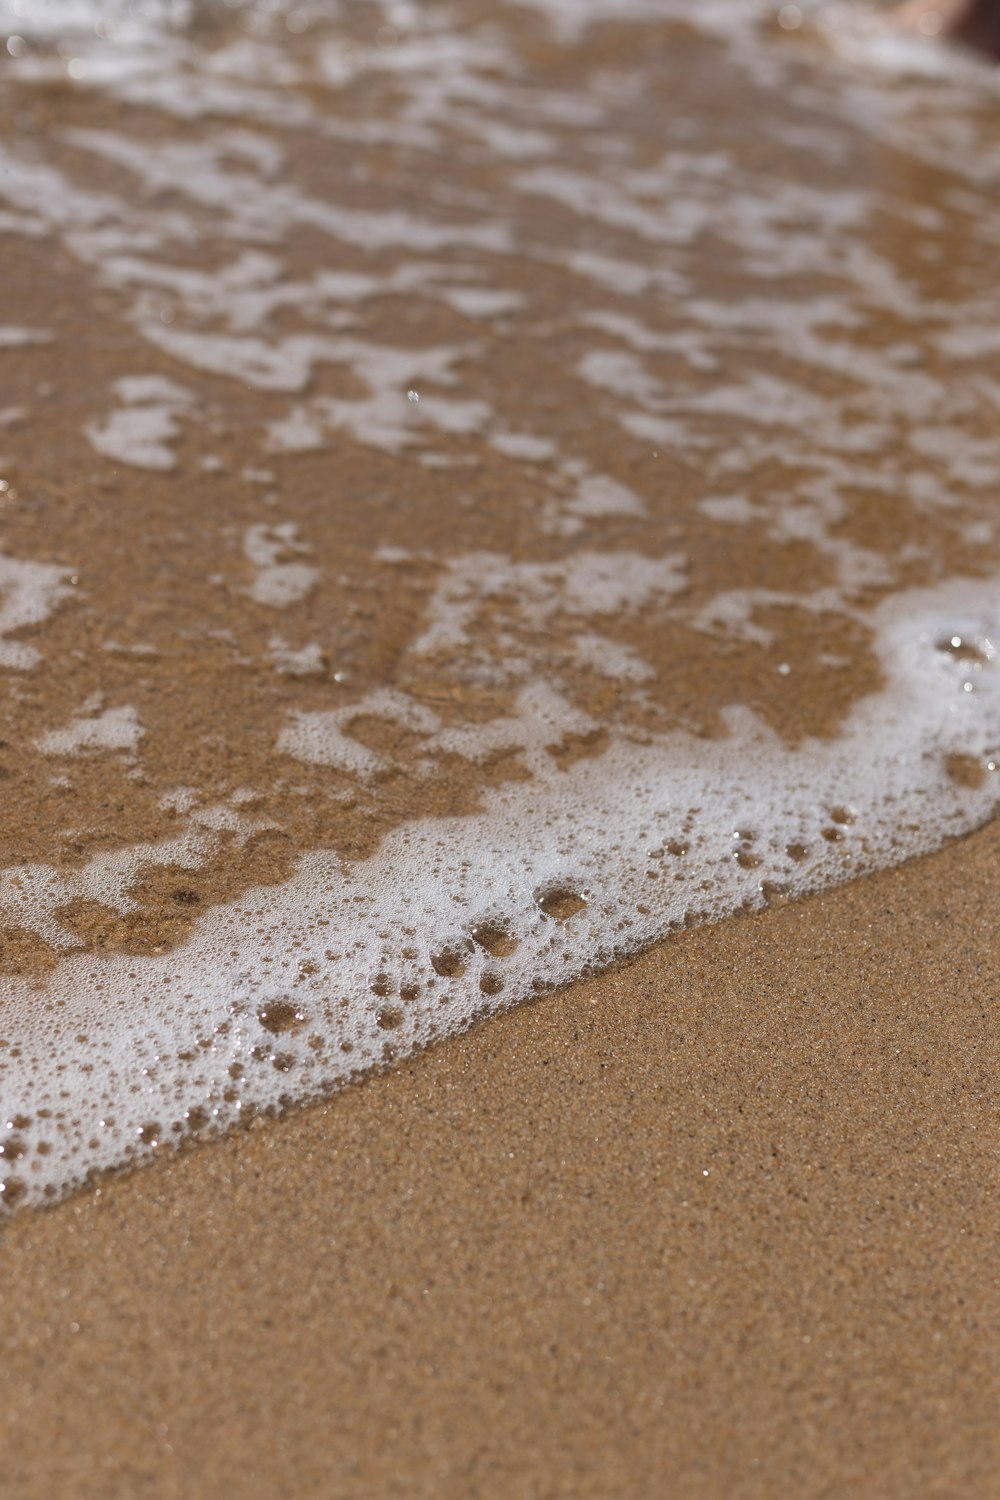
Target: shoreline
526, 573
498, 1268
490, 487
271, 1115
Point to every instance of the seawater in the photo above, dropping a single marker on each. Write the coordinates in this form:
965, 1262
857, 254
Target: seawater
484, 487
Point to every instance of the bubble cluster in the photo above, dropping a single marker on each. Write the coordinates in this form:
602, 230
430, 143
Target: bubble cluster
486, 581
454, 918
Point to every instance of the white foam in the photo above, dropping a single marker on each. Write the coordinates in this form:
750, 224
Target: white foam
29, 592
56, 19
323, 739
141, 431
303, 661
14, 336
737, 510
611, 658
483, 302
868, 38
732, 336
255, 211
110, 729
524, 445
571, 19
299, 432
389, 418
278, 581
648, 837
588, 583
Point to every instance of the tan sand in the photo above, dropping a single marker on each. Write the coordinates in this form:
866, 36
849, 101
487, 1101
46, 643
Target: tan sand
721, 1223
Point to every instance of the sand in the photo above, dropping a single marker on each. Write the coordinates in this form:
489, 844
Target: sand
721, 1223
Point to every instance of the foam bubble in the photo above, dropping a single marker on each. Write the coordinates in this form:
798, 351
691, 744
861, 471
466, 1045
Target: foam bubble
453, 917
623, 395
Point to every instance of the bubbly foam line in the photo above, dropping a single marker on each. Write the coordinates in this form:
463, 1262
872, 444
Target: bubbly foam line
724, 364
293, 990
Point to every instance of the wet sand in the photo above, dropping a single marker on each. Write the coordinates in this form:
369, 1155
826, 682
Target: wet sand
719, 1223
410, 406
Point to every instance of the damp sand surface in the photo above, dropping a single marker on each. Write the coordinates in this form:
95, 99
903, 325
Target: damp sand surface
720, 1223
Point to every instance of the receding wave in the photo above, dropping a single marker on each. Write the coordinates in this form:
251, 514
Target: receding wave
481, 491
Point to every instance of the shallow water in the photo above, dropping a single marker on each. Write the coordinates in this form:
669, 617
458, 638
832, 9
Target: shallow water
484, 486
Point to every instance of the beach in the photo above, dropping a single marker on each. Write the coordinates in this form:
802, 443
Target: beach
500, 662
718, 1223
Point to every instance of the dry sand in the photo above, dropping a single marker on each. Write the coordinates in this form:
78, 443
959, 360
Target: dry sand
721, 1223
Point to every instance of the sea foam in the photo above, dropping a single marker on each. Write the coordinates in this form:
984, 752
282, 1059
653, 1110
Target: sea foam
624, 494
294, 989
